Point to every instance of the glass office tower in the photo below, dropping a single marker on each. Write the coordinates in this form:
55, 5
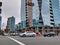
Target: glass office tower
57, 8
0, 15
26, 13
0, 22
59, 5
56, 12
43, 12
11, 23
23, 13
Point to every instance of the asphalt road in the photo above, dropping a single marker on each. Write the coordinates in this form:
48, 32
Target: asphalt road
16, 40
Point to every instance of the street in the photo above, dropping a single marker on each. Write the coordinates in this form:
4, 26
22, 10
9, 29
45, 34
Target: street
16, 40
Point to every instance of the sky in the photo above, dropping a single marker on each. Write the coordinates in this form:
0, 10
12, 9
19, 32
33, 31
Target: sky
10, 8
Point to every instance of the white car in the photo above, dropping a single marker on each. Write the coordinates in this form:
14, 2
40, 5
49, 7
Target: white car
29, 33
5, 34
13, 34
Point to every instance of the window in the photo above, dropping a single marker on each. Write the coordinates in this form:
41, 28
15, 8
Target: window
0, 3
51, 27
0, 11
51, 20
51, 7
40, 18
40, 27
51, 10
51, 16
52, 23
51, 13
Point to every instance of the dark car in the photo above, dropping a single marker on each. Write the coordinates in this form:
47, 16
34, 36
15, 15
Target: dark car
49, 34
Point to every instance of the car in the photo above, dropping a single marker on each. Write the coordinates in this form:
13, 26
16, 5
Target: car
13, 34
5, 34
52, 33
27, 34
49, 34
46, 34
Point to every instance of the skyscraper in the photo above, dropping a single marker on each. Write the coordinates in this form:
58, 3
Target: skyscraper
59, 5
0, 15
44, 13
26, 13
11, 23
0, 6
0, 22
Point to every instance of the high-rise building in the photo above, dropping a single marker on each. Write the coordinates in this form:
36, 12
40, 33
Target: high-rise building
0, 6
41, 11
26, 13
19, 26
0, 22
0, 15
58, 12
59, 5
11, 23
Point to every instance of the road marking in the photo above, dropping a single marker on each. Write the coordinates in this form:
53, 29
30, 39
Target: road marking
20, 43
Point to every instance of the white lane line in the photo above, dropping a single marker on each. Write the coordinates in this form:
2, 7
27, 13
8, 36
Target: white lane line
20, 43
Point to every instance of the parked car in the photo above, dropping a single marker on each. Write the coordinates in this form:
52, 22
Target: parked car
49, 34
5, 34
13, 34
29, 34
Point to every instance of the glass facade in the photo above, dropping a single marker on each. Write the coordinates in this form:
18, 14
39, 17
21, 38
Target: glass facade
45, 12
0, 15
18, 26
0, 21
59, 5
26, 13
23, 13
56, 12
11, 23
